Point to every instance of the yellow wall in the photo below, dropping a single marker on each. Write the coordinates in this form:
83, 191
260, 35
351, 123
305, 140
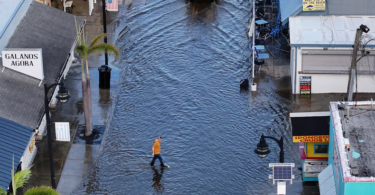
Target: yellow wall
309, 149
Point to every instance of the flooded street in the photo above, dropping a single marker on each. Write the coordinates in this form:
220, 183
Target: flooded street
182, 66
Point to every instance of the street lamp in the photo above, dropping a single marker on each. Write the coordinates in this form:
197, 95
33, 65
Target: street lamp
262, 147
63, 96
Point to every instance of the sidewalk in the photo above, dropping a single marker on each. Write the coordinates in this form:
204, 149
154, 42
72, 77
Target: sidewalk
71, 160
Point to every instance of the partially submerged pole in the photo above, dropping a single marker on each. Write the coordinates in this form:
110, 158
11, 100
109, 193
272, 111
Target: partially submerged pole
353, 67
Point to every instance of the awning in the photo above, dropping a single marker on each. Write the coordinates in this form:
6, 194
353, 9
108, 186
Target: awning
327, 185
14, 140
310, 123
289, 8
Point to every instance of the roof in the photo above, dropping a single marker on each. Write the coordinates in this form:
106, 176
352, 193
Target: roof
21, 97
355, 129
327, 30
8, 8
289, 8
327, 181
14, 140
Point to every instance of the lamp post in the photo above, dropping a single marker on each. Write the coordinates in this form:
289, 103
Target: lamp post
262, 147
105, 29
63, 96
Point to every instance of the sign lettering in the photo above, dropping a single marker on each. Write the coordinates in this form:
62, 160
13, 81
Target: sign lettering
313, 138
314, 5
305, 85
26, 61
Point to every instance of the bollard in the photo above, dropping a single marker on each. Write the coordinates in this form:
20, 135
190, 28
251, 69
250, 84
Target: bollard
104, 77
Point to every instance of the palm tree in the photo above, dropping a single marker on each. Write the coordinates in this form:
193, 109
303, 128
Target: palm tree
84, 50
42, 190
19, 179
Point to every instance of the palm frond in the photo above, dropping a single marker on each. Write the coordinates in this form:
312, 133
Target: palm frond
77, 31
42, 190
82, 50
2, 191
104, 47
21, 178
13, 182
96, 39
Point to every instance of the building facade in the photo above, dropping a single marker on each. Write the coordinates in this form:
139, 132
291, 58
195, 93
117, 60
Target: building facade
30, 26
321, 52
311, 131
350, 170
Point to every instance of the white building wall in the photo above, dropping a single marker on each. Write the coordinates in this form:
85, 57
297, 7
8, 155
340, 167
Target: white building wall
327, 83
28, 157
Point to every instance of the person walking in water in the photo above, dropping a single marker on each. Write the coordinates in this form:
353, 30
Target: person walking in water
156, 152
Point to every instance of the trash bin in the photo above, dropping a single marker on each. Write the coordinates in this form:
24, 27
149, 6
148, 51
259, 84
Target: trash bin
104, 77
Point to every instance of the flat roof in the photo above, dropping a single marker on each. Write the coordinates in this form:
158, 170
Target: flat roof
357, 130
8, 8
327, 30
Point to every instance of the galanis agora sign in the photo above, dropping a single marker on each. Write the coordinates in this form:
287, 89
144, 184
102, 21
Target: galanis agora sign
21, 59
26, 61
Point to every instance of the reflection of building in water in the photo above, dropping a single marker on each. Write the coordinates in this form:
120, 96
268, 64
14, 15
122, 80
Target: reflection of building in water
159, 187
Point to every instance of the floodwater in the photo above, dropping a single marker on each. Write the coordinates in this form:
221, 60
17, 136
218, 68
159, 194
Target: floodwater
182, 66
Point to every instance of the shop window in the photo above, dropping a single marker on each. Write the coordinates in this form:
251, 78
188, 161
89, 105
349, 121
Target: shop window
320, 148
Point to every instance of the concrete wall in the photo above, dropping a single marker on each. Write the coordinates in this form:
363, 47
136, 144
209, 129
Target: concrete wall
326, 83
13, 23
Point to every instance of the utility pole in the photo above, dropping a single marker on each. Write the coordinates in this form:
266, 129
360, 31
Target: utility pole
353, 67
105, 29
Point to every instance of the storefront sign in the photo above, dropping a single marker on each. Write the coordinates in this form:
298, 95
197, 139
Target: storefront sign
26, 61
305, 85
32, 145
314, 5
312, 138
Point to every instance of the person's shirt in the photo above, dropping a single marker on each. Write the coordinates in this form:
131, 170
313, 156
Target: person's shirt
156, 147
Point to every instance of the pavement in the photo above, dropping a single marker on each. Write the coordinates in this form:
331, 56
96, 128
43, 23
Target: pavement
72, 161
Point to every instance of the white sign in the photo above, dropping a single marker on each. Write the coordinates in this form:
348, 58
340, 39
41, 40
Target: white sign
62, 131
26, 61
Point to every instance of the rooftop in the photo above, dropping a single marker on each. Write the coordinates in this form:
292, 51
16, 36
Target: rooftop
7, 9
354, 131
359, 129
14, 140
327, 30
21, 97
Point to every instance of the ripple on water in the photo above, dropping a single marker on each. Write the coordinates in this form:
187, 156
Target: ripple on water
180, 83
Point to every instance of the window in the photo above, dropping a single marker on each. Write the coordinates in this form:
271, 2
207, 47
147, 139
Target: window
320, 148
334, 61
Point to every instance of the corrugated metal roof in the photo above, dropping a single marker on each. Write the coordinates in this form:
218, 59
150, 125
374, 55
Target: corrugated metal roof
289, 7
14, 140
21, 97
327, 184
327, 30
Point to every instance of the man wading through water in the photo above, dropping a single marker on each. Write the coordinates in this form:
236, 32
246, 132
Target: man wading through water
156, 152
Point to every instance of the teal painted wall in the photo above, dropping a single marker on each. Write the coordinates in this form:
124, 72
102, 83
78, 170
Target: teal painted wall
337, 173
330, 148
362, 188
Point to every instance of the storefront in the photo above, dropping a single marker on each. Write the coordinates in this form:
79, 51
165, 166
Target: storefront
321, 53
39, 51
311, 131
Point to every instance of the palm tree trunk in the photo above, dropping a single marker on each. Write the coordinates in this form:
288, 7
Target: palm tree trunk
86, 109
89, 102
